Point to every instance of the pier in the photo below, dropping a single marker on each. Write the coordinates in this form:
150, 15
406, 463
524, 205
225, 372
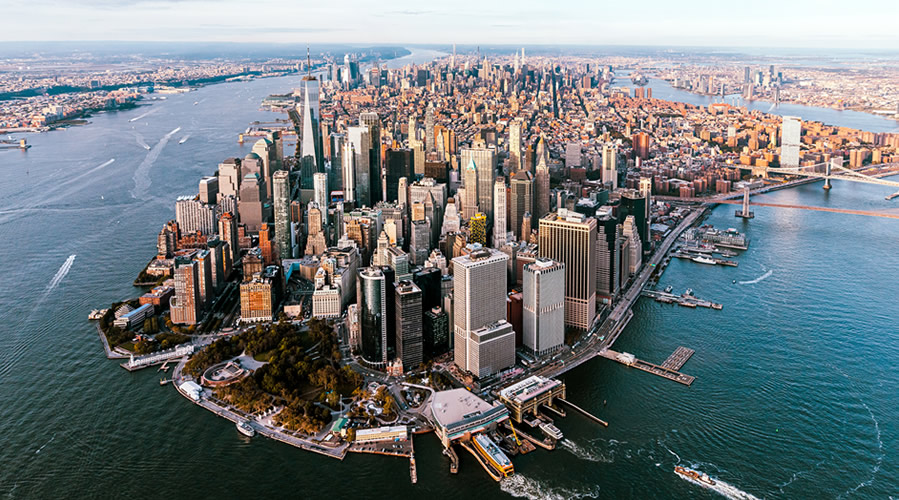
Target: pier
683, 300
532, 439
717, 261
454, 459
584, 412
660, 370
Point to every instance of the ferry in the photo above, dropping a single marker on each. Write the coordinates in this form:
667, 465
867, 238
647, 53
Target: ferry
702, 477
489, 450
551, 431
703, 260
245, 428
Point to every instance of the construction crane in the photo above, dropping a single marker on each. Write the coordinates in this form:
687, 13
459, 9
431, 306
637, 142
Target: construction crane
514, 434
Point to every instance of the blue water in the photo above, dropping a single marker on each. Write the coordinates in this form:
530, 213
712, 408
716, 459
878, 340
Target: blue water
796, 389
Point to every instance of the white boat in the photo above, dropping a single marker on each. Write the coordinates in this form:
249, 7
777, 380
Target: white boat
245, 428
146, 147
703, 260
184, 139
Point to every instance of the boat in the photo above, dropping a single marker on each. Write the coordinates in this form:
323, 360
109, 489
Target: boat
668, 289
702, 477
703, 260
689, 292
490, 451
96, 314
146, 147
184, 139
245, 428
551, 431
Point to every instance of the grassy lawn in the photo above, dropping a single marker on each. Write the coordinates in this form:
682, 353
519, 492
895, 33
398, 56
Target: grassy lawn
266, 356
128, 346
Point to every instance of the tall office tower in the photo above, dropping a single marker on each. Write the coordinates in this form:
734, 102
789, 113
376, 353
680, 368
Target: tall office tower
515, 144
609, 173
167, 240
633, 203
372, 122
229, 178
418, 156
521, 202
499, 212
471, 189
193, 215
429, 129
311, 155
209, 190
399, 165
402, 192
412, 129
570, 238
747, 75
635, 244
221, 263
435, 332
281, 202
646, 191
337, 147
640, 141
228, 234
320, 189
371, 296
360, 141
409, 340
608, 259
451, 219
204, 277
185, 304
264, 149
791, 129
250, 202
543, 311
478, 228
573, 154
541, 182
527, 227
420, 190
348, 171
484, 341
485, 163
420, 241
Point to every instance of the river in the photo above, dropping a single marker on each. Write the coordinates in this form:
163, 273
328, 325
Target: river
796, 384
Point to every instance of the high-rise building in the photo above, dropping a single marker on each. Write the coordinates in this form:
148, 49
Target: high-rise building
372, 123
499, 212
251, 202
360, 140
790, 141
409, 342
258, 297
610, 165
209, 190
634, 245
336, 149
478, 228
429, 129
420, 241
541, 182
203, 260
470, 198
193, 215
228, 234
398, 165
515, 144
543, 311
265, 150
281, 203
640, 142
608, 258
229, 178
484, 161
484, 341
311, 157
573, 154
371, 295
348, 171
320, 189
570, 238
521, 202
185, 304
435, 332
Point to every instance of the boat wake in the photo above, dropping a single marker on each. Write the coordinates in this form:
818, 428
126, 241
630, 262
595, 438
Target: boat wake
880, 455
724, 489
760, 278
799, 474
142, 174
589, 454
521, 486
148, 113
61, 273
141, 142
89, 172
45, 444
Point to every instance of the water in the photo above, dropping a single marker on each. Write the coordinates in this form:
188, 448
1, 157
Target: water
796, 384
662, 89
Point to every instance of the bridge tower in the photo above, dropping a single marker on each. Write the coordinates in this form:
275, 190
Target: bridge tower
745, 213
836, 161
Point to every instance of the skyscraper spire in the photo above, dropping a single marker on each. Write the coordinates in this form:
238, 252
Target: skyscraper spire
308, 63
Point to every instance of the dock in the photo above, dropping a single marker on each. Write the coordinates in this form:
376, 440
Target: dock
662, 371
678, 358
717, 261
583, 412
532, 439
454, 459
684, 300
413, 471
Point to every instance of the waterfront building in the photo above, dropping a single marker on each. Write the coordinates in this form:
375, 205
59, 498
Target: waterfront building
608, 258
409, 341
543, 306
185, 304
570, 238
371, 296
209, 190
458, 412
527, 396
257, 298
382, 434
194, 216
281, 205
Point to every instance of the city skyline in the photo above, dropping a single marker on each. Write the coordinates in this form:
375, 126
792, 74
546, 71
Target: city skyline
766, 23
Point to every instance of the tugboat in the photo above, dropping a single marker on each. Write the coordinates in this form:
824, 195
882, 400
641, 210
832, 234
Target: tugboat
702, 477
245, 428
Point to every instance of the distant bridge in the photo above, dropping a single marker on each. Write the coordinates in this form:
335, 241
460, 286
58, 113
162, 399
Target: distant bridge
782, 205
834, 169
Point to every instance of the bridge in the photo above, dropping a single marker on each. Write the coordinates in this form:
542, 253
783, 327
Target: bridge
780, 205
834, 169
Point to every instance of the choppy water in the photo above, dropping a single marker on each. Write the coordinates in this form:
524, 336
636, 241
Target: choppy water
796, 389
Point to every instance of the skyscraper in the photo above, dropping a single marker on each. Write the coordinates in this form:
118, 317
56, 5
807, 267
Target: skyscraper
485, 163
543, 311
320, 189
515, 144
398, 165
229, 178
429, 129
185, 304
640, 142
228, 234
409, 324
608, 258
348, 170
372, 122
573, 154
371, 295
250, 202
521, 202
193, 215
470, 205
570, 238
478, 228
311, 142
281, 202
360, 140
541, 182
610, 165
789, 149
499, 212
484, 341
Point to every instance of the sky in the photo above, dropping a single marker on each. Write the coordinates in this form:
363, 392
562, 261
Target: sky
868, 24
